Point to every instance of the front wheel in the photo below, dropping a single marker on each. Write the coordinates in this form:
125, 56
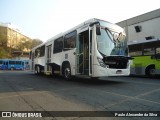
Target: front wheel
67, 71
12, 68
150, 71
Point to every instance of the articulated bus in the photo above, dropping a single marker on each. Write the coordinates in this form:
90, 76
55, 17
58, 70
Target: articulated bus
146, 54
10, 64
95, 48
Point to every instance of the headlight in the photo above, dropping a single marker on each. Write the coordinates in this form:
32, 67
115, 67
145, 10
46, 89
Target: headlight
129, 63
102, 64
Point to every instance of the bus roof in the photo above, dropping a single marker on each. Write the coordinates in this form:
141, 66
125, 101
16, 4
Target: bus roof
87, 22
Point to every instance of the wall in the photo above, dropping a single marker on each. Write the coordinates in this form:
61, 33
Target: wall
147, 28
149, 24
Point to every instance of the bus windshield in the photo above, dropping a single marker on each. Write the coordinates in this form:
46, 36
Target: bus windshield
112, 43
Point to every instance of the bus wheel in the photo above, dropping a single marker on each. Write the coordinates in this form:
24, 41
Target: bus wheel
150, 71
37, 71
52, 71
12, 68
67, 71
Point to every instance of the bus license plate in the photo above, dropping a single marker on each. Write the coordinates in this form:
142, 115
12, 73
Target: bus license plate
119, 72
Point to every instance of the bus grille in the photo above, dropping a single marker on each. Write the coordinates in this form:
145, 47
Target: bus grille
116, 62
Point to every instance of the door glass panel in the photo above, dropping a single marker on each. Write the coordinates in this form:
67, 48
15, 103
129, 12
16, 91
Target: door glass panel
49, 56
83, 53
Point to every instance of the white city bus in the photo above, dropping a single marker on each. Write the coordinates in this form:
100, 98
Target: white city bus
95, 48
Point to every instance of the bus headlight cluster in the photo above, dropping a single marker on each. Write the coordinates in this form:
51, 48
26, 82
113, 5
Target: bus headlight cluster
129, 63
102, 64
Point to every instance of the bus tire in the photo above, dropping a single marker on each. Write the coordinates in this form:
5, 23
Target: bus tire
67, 71
12, 68
38, 70
94, 78
150, 71
52, 71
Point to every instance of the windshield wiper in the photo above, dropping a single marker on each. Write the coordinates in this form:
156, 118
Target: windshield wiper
107, 30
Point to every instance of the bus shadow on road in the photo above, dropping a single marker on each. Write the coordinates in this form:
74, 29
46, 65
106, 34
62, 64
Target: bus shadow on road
147, 77
98, 81
78, 80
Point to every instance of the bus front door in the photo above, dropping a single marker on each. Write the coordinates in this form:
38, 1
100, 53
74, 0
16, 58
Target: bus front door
83, 53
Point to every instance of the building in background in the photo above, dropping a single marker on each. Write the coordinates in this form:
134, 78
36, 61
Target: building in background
142, 27
12, 40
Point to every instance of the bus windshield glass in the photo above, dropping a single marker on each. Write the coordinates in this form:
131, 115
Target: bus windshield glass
111, 43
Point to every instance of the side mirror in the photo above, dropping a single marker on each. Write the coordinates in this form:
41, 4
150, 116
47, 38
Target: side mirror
98, 30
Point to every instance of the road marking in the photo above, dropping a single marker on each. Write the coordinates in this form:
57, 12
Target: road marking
128, 98
148, 100
123, 101
147, 93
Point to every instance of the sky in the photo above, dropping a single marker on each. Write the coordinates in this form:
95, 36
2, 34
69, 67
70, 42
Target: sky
43, 19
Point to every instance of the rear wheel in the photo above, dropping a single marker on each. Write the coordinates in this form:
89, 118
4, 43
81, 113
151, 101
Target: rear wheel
12, 68
67, 71
150, 71
94, 78
52, 71
38, 70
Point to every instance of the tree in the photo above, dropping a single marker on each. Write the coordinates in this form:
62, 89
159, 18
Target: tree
36, 42
24, 44
4, 53
3, 40
28, 44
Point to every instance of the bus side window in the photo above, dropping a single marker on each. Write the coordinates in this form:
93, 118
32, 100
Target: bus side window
157, 56
149, 51
158, 50
42, 51
135, 50
37, 52
58, 45
70, 40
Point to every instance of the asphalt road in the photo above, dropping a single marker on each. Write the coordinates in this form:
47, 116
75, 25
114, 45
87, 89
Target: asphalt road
25, 91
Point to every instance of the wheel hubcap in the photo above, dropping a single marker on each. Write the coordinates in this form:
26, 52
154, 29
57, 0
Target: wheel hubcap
152, 71
67, 72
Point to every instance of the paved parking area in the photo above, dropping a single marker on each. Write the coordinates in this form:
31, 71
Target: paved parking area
25, 91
